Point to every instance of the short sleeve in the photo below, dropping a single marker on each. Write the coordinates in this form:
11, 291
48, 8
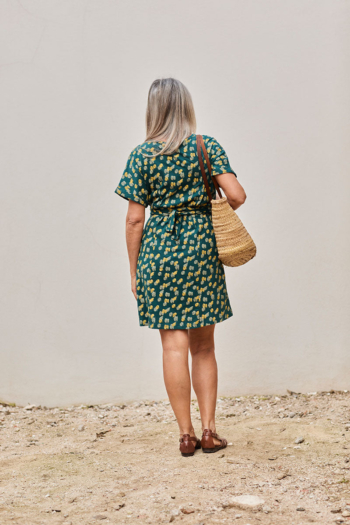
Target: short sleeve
134, 184
218, 158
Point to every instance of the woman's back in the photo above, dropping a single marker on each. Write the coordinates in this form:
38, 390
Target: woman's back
170, 181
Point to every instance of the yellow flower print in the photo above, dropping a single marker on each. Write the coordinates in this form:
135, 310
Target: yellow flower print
180, 281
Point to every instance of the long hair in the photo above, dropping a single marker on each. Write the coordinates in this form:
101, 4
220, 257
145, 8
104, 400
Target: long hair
170, 113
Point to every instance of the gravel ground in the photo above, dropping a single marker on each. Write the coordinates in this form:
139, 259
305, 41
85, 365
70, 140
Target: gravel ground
121, 463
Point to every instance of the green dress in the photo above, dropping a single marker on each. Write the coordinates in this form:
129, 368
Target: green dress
180, 281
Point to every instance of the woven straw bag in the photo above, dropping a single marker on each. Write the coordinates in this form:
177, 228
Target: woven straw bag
235, 245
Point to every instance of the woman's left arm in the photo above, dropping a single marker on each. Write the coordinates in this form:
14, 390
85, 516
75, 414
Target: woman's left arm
135, 220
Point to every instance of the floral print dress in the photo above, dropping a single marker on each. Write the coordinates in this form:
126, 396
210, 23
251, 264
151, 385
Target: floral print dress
180, 281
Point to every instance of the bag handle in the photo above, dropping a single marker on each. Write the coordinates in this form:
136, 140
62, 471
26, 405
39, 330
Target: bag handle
200, 143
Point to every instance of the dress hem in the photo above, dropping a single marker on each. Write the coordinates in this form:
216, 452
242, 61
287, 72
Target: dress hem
186, 327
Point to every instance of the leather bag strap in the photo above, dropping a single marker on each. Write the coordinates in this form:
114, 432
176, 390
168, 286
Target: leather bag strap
200, 144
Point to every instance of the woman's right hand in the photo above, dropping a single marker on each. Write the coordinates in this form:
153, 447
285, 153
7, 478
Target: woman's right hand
133, 286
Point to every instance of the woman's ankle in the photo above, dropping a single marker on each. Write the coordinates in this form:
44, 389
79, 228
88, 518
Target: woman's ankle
209, 425
187, 430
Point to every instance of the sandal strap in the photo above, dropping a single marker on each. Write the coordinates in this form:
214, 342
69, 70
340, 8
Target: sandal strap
209, 432
188, 438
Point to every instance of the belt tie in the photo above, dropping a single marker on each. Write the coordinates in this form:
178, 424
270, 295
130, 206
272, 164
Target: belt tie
171, 216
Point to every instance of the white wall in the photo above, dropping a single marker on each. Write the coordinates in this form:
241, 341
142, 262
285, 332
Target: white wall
269, 80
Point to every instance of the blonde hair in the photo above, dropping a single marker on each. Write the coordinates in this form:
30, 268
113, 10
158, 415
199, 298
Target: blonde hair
170, 113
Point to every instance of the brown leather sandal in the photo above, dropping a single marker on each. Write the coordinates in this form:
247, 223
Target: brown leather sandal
208, 444
187, 447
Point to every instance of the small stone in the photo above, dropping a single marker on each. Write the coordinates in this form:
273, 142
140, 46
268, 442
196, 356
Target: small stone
335, 511
221, 456
29, 407
81, 428
299, 440
266, 509
246, 501
99, 517
292, 414
300, 508
187, 511
175, 512
345, 514
283, 475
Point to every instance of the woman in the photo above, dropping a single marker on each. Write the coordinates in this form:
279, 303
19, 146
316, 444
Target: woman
176, 276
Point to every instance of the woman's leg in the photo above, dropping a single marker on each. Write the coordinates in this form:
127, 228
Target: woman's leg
177, 376
204, 373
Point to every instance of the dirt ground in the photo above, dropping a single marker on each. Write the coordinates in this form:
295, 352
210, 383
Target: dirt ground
121, 464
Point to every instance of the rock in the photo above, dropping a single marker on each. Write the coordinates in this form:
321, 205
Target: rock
102, 433
99, 517
246, 501
187, 511
81, 428
292, 414
300, 508
175, 512
345, 514
283, 475
266, 509
299, 440
335, 511
29, 407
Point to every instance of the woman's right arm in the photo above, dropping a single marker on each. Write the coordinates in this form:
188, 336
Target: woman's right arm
234, 192
135, 220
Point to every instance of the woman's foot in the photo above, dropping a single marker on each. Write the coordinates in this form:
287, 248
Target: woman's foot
188, 444
211, 442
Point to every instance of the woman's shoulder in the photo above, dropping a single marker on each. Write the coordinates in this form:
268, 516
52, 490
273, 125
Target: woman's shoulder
209, 139
212, 145
143, 147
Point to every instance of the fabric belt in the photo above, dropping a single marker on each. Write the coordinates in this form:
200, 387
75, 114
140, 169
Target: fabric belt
171, 216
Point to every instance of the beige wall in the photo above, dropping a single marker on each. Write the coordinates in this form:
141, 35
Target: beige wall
269, 80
